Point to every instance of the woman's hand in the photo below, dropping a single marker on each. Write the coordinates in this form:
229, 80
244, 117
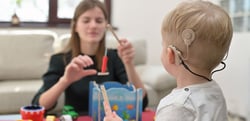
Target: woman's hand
75, 69
126, 51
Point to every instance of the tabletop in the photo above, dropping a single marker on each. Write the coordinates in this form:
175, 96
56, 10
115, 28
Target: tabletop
146, 116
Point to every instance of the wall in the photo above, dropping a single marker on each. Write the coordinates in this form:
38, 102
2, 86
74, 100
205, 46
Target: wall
142, 19
234, 80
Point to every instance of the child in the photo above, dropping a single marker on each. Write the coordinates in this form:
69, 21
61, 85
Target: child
196, 37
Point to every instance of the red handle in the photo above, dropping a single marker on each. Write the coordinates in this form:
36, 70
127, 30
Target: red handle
104, 63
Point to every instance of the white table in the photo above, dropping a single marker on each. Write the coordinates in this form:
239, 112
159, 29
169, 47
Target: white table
10, 117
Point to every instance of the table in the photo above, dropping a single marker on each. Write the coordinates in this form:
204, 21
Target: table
146, 116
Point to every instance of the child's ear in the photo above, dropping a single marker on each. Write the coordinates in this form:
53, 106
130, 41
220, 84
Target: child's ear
171, 56
174, 54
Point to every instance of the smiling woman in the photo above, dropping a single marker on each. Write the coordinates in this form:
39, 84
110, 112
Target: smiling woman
40, 12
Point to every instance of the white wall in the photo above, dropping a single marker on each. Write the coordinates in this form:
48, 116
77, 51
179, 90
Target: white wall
234, 80
142, 19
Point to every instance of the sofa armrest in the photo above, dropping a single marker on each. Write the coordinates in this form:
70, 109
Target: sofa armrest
156, 77
157, 82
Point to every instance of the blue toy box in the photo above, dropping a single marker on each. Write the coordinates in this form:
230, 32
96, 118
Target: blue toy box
124, 99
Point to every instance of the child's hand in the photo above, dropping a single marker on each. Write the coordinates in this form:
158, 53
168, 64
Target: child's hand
112, 117
109, 115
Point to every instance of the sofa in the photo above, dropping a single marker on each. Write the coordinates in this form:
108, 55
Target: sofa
24, 57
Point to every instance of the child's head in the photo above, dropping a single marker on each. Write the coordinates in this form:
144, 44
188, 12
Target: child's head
201, 31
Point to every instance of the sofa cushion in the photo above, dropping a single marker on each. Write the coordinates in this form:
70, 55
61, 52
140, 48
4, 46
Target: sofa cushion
156, 77
18, 93
153, 97
25, 54
13, 90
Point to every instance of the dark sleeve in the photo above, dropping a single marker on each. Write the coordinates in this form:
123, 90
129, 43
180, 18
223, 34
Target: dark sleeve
121, 74
117, 66
51, 77
145, 102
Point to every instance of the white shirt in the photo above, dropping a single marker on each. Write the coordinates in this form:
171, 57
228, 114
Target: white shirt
200, 102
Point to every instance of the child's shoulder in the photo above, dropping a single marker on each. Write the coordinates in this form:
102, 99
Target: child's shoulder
176, 97
194, 96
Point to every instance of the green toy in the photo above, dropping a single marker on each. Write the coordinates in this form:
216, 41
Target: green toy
69, 110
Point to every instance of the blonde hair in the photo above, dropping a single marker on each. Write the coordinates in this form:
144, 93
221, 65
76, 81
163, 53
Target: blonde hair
212, 32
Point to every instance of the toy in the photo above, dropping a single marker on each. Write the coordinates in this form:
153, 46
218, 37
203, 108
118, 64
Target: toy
69, 110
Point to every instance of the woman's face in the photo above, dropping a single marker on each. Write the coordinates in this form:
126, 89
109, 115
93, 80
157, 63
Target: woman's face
91, 25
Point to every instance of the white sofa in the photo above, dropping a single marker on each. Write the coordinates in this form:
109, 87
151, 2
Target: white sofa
24, 57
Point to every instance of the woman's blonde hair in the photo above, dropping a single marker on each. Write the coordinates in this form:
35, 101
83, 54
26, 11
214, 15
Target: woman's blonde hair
209, 32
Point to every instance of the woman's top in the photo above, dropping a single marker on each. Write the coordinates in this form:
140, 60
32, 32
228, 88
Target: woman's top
77, 93
199, 102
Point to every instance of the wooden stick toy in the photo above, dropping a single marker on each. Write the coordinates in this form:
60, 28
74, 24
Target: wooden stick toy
106, 100
110, 28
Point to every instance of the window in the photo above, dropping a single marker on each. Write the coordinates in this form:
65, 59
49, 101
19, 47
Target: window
27, 10
59, 7
239, 11
39, 12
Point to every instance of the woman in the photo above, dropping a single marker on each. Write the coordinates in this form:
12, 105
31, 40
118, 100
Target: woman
71, 70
